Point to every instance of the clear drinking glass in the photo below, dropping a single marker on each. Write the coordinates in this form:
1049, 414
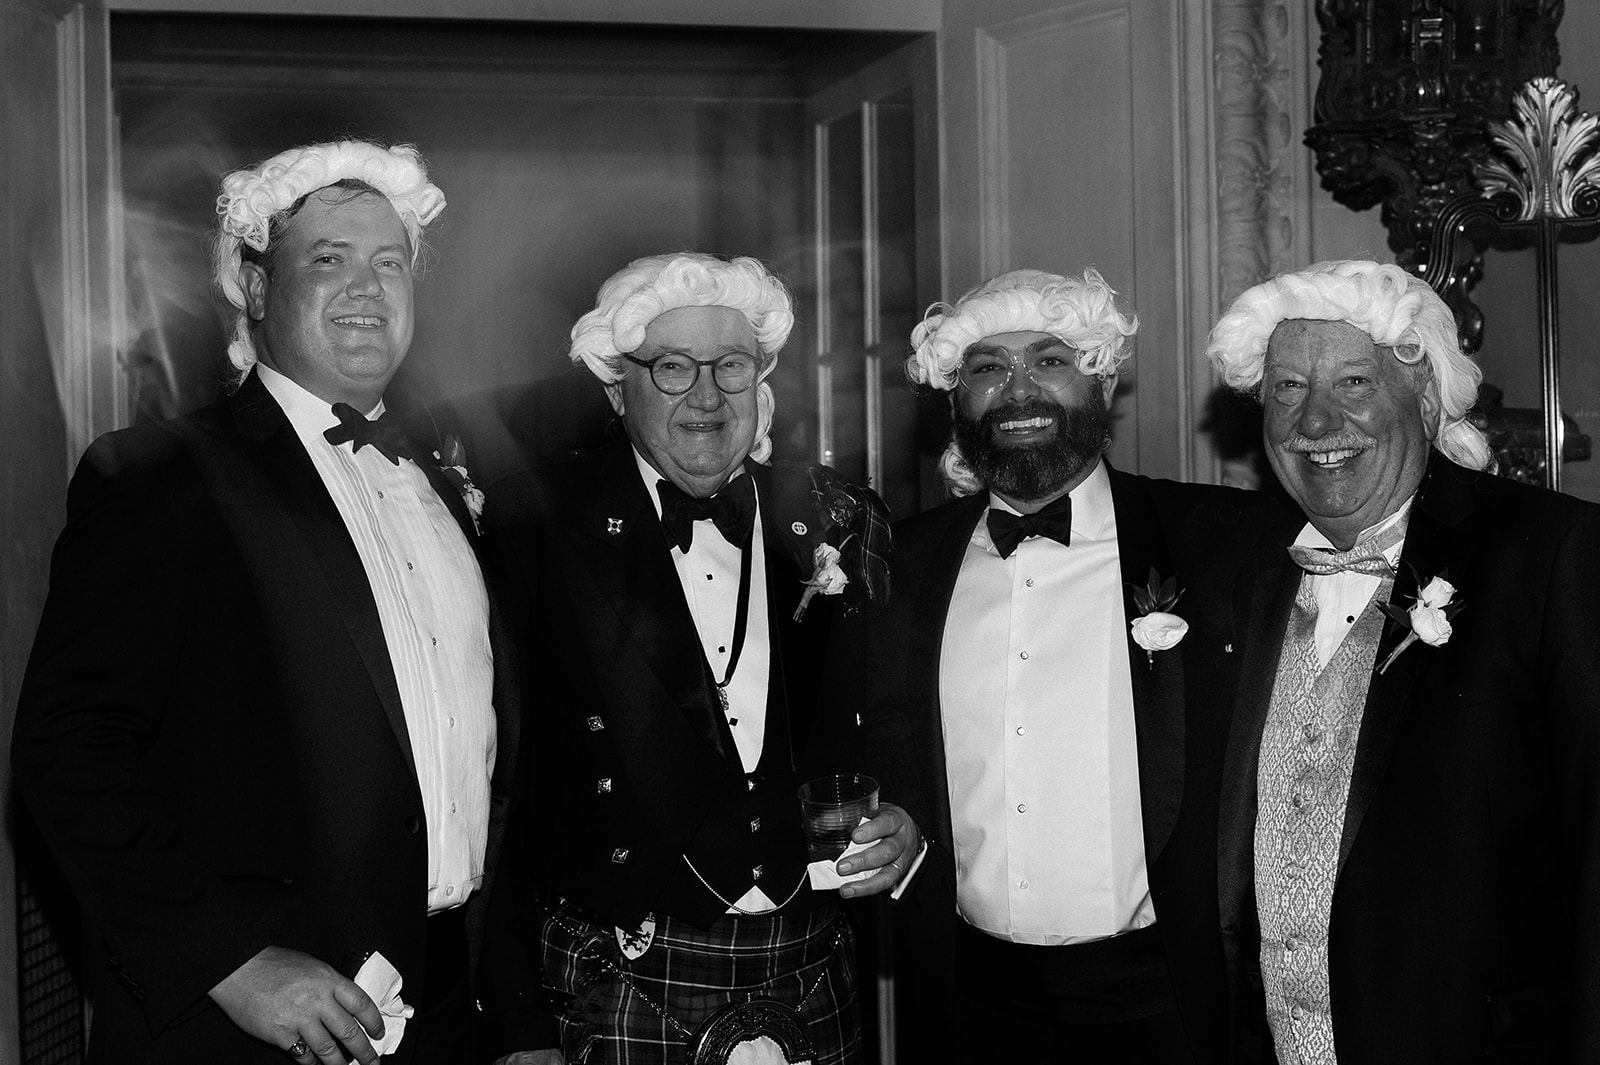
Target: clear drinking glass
831, 808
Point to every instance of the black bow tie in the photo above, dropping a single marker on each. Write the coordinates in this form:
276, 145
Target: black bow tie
733, 510
382, 434
1007, 530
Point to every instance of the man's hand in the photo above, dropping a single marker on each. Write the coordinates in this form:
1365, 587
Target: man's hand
898, 842
532, 1057
283, 997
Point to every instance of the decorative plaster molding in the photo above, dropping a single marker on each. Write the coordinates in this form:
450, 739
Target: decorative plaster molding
1255, 232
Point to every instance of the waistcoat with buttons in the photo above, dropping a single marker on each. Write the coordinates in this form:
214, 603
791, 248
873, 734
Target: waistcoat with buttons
1308, 752
751, 833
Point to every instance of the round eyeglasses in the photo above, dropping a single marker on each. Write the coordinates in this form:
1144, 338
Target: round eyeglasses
985, 373
675, 373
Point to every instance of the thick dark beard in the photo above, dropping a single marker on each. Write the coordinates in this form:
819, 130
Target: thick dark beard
1040, 470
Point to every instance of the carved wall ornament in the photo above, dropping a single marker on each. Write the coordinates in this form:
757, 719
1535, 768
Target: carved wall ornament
1252, 124
1404, 96
1542, 178
1547, 158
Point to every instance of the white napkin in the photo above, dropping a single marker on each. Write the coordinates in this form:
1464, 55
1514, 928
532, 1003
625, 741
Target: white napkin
760, 1051
381, 981
825, 874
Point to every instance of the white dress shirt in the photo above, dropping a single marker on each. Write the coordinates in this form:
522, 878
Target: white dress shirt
709, 574
1039, 735
1341, 597
435, 613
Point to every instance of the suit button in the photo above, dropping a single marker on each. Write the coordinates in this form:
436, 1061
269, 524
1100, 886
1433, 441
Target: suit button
603, 785
413, 824
619, 855
595, 724
755, 824
755, 872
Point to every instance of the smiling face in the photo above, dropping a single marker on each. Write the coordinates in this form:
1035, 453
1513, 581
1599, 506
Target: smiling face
333, 306
1346, 425
1029, 444
696, 440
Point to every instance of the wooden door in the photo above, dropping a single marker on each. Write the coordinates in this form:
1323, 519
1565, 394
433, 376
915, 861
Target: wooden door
1065, 147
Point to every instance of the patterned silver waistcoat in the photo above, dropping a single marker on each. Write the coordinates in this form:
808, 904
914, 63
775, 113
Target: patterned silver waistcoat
1308, 750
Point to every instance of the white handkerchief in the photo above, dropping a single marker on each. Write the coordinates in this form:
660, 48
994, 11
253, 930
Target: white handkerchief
381, 981
825, 874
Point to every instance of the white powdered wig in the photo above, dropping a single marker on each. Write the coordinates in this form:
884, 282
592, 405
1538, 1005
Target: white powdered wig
258, 201
646, 288
1394, 307
1081, 311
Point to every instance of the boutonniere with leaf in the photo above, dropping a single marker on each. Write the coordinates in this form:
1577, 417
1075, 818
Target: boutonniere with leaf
452, 462
852, 548
1427, 618
1156, 628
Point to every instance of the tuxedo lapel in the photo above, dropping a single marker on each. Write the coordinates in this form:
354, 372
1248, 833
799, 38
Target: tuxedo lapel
1261, 611
628, 558
930, 610
1157, 678
307, 504
795, 646
1436, 541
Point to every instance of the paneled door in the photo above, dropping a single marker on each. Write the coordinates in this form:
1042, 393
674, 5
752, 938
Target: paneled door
1069, 142
873, 155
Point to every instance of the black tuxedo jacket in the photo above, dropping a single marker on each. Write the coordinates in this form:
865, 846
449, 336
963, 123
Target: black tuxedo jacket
1466, 914
210, 734
888, 663
627, 752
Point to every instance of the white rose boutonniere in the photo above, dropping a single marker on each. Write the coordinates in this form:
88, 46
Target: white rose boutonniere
1428, 618
453, 464
827, 577
1156, 629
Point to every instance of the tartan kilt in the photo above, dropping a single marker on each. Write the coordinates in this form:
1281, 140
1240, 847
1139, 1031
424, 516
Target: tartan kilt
616, 1011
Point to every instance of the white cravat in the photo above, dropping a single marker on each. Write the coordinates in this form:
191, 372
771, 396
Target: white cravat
709, 574
434, 609
1039, 735
1342, 596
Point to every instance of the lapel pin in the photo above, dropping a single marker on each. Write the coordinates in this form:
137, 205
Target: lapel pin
613, 526
798, 528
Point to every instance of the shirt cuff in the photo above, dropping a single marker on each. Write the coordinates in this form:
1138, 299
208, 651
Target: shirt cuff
905, 881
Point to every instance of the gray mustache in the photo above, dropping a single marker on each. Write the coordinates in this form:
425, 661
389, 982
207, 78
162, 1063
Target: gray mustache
1336, 442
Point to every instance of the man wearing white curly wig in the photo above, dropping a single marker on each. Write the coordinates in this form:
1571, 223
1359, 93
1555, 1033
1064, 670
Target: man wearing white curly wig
257, 728
1410, 865
1066, 909
679, 591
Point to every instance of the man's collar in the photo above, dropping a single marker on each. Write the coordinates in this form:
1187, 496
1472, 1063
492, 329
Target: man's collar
1310, 536
1093, 513
649, 475
309, 414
